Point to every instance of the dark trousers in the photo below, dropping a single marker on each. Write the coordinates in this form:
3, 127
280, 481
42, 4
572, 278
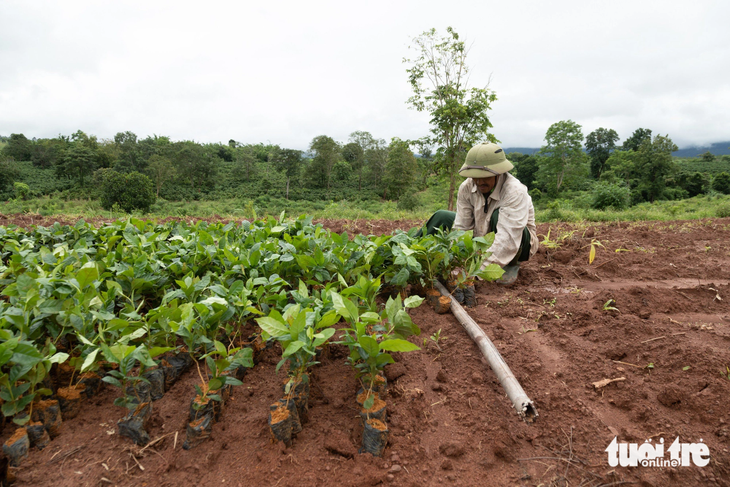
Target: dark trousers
445, 219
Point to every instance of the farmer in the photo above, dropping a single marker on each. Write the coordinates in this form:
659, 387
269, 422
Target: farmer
492, 200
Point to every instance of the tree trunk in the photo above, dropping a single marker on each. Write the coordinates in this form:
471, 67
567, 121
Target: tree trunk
287, 188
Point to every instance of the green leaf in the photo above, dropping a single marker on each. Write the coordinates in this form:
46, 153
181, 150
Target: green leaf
413, 301
401, 278
87, 275
215, 300
398, 345
491, 272
370, 317
232, 380
329, 319
370, 345
272, 326
215, 383
292, 348
339, 304
157, 351
111, 380
220, 348
143, 355
351, 309
369, 402
89, 360
26, 355
384, 358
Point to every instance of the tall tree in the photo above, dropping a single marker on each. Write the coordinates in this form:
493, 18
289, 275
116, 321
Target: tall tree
326, 153
400, 169
161, 170
439, 80
245, 163
654, 164
354, 154
599, 145
563, 158
194, 163
18, 147
78, 161
8, 172
376, 158
47, 152
526, 167
289, 161
637, 138
128, 160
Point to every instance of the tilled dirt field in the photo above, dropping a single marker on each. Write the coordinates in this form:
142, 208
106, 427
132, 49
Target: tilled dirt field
653, 308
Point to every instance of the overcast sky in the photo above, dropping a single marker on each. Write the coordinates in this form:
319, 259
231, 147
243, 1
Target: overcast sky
287, 71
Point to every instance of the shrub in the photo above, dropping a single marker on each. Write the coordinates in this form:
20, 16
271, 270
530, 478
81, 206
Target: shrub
675, 194
607, 195
22, 190
721, 183
130, 191
409, 201
696, 184
723, 211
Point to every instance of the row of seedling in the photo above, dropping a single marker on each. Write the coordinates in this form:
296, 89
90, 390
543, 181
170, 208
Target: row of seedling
302, 332
371, 335
40, 420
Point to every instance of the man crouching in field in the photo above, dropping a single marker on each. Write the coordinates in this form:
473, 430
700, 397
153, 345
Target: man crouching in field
492, 200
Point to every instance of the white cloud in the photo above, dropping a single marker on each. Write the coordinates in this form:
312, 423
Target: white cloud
288, 71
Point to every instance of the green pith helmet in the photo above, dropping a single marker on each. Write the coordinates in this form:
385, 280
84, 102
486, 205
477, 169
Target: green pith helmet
485, 161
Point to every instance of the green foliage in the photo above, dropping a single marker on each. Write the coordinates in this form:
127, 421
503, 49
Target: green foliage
695, 184
8, 172
400, 169
195, 164
563, 161
653, 165
326, 154
525, 169
370, 335
131, 191
639, 136
723, 211
18, 147
161, 170
599, 145
439, 80
22, 190
707, 156
77, 161
721, 183
607, 195
409, 201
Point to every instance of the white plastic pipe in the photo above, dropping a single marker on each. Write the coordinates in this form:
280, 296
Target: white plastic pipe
524, 406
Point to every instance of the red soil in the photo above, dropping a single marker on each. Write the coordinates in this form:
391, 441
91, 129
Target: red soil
449, 419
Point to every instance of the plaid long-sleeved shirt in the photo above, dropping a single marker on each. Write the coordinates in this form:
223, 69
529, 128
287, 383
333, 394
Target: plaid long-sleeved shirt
515, 213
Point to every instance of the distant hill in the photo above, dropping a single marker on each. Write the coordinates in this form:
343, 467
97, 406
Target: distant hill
521, 150
718, 149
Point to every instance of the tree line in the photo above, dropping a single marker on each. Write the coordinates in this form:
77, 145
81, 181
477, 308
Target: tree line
132, 172
157, 166
641, 169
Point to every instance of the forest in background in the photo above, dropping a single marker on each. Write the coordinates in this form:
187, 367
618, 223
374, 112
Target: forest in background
128, 173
